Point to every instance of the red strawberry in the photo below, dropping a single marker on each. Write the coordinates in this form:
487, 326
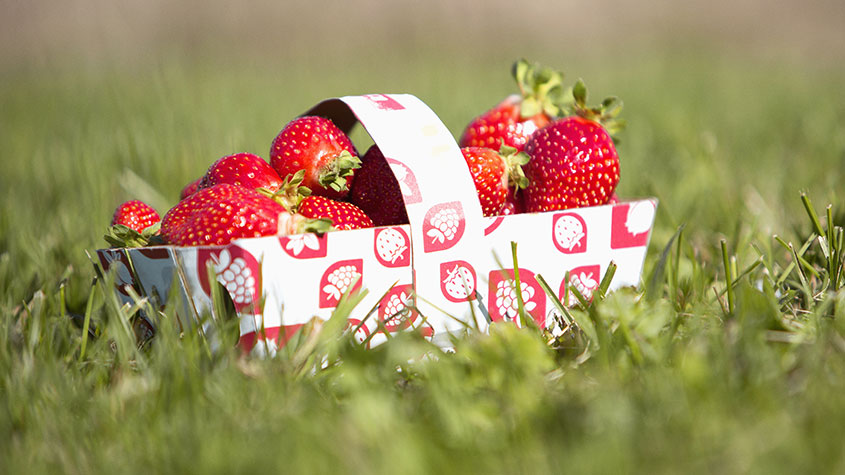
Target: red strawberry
190, 189
316, 145
574, 161
135, 215
219, 214
513, 120
376, 191
242, 169
496, 176
343, 215
515, 203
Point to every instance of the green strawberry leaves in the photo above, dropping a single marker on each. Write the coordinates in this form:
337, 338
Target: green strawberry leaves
514, 161
335, 174
543, 92
605, 113
291, 193
120, 235
541, 88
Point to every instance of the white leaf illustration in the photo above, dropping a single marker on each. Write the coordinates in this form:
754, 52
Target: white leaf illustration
436, 235
332, 291
295, 245
222, 261
311, 241
398, 253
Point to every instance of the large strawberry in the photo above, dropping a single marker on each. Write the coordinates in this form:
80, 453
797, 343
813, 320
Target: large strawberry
376, 191
514, 119
497, 176
316, 145
574, 161
221, 213
133, 224
344, 216
242, 169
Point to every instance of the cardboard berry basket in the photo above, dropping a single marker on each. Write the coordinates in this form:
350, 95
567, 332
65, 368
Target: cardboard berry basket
425, 275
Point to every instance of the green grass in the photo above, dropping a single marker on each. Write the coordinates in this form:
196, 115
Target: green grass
678, 375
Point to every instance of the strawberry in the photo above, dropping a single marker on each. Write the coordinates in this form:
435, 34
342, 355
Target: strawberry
316, 145
135, 215
221, 213
376, 191
190, 189
242, 169
343, 215
514, 119
573, 160
134, 224
497, 175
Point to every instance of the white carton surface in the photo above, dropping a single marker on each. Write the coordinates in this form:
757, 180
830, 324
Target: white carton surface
448, 258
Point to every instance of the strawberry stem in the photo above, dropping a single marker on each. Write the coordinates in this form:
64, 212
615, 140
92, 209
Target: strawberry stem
291, 193
335, 173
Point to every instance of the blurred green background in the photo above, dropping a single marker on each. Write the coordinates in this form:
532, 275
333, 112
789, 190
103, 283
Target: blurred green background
734, 109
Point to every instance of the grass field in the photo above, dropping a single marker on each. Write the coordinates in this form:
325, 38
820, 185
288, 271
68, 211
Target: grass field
681, 374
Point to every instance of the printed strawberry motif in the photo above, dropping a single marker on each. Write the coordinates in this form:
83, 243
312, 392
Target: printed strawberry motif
344, 216
396, 308
242, 169
506, 301
190, 189
497, 176
585, 279
338, 279
219, 214
135, 214
316, 145
362, 332
377, 192
443, 225
630, 224
513, 120
392, 247
503, 299
573, 160
457, 281
237, 270
569, 233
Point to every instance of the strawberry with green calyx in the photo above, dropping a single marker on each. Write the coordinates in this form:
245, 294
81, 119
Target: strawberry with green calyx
574, 161
299, 201
496, 175
513, 120
377, 192
343, 215
133, 224
316, 145
241, 169
224, 212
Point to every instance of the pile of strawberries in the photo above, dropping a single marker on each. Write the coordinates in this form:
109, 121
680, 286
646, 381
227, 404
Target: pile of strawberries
542, 150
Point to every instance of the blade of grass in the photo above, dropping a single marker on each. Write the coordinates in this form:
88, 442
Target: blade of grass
728, 282
659, 273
